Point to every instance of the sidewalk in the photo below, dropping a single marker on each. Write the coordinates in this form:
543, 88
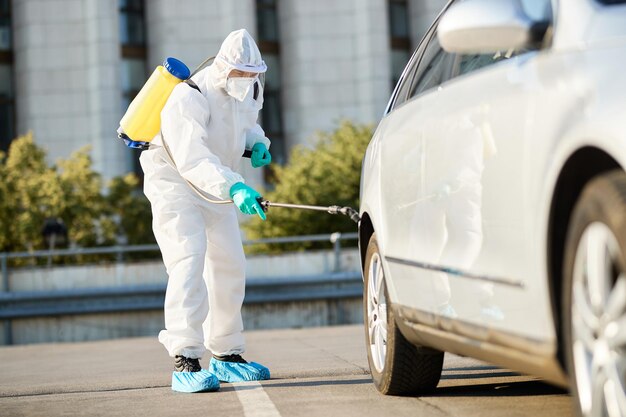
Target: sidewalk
315, 372
55, 370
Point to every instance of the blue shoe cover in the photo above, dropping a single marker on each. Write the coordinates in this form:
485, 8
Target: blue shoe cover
238, 372
194, 381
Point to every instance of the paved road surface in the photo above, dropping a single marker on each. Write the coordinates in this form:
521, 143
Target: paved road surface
315, 372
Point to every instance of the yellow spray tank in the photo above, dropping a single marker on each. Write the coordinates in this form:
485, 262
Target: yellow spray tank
142, 120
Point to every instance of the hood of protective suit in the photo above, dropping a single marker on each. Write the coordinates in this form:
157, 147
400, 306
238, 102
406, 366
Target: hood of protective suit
238, 51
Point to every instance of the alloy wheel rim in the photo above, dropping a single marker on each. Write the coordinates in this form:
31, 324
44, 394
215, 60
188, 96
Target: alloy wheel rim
377, 313
598, 314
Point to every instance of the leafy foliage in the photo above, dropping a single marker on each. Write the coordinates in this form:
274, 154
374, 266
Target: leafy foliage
327, 174
132, 210
32, 192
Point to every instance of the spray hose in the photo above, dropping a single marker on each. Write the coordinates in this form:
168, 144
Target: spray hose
265, 204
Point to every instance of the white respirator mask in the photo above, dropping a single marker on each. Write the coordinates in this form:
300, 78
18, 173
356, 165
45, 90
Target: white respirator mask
238, 87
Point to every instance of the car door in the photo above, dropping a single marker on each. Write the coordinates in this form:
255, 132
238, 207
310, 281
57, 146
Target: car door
405, 183
453, 170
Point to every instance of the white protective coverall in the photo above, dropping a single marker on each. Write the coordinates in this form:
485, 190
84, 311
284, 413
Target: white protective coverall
200, 242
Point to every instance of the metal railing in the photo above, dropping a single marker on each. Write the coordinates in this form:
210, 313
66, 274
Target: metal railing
26, 304
119, 251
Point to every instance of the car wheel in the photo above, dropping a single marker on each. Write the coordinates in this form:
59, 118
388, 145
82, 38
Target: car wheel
594, 298
397, 366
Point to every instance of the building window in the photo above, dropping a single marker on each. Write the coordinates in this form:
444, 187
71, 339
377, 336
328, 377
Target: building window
269, 44
133, 65
7, 101
399, 35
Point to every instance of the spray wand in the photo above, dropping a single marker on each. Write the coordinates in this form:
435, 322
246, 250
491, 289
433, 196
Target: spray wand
346, 211
266, 204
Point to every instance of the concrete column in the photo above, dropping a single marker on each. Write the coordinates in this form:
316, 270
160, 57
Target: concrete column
66, 57
335, 59
103, 64
373, 57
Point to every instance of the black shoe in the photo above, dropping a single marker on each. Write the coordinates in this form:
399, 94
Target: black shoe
183, 364
230, 358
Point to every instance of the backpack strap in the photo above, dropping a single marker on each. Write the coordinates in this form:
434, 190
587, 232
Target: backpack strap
193, 85
247, 153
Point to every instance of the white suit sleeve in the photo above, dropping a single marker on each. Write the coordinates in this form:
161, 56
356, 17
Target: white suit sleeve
183, 124
256, 135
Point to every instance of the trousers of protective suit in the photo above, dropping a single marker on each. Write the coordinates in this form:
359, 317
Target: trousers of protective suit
206, 267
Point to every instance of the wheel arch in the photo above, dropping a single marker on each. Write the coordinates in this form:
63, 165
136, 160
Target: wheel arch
581, 167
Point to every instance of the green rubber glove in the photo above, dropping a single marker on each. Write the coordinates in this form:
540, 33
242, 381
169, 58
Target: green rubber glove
260, 155
245, 198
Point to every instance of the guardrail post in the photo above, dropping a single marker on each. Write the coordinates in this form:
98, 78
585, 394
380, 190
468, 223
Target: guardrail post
5, 272
8, 332
335, 238
8, 328
119, 255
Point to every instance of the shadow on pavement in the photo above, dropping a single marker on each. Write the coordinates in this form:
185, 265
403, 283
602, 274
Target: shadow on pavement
501, 389
480, 375
472, 368
270, 384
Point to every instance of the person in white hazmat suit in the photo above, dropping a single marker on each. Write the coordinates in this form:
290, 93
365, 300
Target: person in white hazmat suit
206, 132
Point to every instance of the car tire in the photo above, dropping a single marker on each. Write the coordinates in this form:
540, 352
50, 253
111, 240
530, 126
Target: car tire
594, 297
397, 366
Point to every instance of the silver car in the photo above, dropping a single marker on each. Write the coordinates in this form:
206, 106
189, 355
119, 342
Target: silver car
493, 201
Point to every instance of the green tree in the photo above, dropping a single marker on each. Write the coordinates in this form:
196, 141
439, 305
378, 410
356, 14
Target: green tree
131, 209
31, 192
327, 174
34, 194
81, 205
7, 212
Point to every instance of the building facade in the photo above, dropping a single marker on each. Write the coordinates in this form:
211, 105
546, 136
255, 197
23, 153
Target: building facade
69, 68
